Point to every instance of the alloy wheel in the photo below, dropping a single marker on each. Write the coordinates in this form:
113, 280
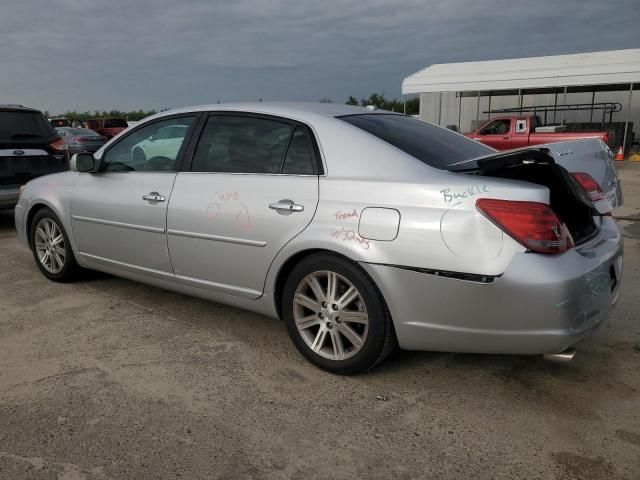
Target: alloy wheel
50, 245
330, 315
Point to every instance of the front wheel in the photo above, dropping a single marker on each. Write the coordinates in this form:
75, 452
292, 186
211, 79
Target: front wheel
51, 248
336, 316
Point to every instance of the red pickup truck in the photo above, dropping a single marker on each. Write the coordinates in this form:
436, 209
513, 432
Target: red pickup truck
505, 133
107, 127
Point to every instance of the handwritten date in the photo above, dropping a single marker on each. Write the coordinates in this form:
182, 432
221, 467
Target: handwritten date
348, 235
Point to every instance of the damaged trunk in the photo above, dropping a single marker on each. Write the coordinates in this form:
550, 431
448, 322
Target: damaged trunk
566, 196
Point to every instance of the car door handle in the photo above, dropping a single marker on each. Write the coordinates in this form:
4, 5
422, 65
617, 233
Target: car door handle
505, 138
153, 197
286, 206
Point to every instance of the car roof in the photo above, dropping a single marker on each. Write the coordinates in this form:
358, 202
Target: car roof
16, 108
300, 110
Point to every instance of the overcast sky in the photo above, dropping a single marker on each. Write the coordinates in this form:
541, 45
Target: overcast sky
129, 54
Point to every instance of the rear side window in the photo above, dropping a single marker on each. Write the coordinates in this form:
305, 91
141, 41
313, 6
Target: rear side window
299, 159
241, 145
24, 126
433, 145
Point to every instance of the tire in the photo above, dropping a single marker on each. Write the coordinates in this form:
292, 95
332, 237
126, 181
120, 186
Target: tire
47, 234
352, 332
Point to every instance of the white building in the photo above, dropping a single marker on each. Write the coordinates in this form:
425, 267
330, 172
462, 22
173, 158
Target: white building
462, 94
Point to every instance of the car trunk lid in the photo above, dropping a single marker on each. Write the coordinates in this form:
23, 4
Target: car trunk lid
566, 197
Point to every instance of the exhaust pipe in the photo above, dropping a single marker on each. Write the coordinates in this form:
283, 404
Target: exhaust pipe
563, 357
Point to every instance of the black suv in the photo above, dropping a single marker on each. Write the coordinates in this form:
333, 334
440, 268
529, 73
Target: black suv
29, 148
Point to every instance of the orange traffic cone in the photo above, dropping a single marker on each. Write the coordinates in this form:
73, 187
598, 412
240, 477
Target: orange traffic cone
620, 154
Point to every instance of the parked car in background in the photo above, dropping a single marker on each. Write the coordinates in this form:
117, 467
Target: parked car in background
165, 142
107, 127
60, 122
81, 139
361, 229
508, 132
29, 148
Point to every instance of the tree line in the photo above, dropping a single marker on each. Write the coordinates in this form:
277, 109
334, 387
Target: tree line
132, 116
379, 100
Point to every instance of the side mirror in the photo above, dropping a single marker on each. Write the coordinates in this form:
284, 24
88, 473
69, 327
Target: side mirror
83, 162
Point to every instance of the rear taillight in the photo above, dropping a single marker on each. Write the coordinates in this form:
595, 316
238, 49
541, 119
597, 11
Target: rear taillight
531, 224
590, 186
59, 145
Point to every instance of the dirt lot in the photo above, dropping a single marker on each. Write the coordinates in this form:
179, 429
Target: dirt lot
108, 379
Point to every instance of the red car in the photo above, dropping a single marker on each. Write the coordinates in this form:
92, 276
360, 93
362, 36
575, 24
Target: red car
107, 127
505, 133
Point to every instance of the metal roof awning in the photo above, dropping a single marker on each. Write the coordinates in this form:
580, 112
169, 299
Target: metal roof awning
615, 68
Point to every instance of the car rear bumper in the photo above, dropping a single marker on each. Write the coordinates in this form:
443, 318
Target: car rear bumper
541, 304
9, 197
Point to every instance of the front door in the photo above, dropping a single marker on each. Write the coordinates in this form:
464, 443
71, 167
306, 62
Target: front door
119, 214
497, 134
251, 187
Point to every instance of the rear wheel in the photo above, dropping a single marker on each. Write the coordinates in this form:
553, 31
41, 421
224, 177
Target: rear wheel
336, 316
51, 249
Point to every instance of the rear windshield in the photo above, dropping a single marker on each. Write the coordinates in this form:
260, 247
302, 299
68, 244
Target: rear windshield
24, 126
433, 145
115, 123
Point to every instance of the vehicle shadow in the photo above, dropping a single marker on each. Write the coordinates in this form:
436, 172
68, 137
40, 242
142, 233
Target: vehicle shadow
505, 367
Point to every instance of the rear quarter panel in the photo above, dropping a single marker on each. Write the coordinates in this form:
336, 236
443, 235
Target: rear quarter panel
439, 227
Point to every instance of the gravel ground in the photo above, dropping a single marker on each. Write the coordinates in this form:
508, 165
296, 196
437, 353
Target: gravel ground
109, 379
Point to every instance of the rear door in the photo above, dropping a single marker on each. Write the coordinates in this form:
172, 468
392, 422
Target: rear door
252, 186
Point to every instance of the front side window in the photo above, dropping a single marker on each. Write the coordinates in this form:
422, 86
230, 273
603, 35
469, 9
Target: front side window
238, 144
141, 150
175, 131
497, 127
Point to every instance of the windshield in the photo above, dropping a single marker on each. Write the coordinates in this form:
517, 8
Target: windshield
21, 126
433, 145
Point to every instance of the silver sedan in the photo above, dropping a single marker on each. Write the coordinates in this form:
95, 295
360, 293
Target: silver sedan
362, 230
